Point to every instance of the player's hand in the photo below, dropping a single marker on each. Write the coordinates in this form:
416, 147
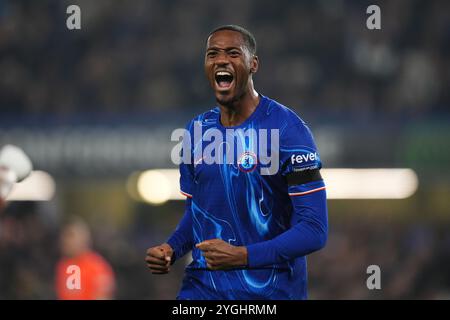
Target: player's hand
159, 258
222, 255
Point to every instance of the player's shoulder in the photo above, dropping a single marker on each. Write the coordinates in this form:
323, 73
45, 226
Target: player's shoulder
206, 118
283, 115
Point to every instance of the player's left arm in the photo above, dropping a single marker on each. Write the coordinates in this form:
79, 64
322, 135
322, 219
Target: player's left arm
308, 232
301, 166
309, 221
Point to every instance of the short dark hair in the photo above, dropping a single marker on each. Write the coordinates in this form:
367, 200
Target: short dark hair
249, 39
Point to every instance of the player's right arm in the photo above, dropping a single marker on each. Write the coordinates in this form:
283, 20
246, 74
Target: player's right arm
159, 258
181, 241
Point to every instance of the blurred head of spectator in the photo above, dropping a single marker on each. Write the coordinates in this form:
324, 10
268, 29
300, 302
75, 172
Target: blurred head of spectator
75, 238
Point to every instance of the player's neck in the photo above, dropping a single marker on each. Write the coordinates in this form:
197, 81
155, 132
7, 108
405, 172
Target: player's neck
240, 110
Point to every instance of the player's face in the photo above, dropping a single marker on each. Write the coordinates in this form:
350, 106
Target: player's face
229, 65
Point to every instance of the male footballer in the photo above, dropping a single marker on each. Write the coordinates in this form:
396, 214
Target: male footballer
249, 226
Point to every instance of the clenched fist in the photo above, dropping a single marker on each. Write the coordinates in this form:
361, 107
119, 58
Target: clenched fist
159, 258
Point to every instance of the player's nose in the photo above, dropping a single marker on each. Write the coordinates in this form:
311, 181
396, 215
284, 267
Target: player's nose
221, 59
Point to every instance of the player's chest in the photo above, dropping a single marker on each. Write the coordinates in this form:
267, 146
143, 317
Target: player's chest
236, 153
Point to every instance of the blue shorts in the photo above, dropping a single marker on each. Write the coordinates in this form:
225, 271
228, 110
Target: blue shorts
242, 284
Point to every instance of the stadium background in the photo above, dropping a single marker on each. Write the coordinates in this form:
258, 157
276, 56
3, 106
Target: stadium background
93, 106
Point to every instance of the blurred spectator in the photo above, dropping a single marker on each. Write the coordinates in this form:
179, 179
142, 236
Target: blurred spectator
96, 277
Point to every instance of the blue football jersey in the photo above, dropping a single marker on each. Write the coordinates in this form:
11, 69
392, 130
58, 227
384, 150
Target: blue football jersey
238, 192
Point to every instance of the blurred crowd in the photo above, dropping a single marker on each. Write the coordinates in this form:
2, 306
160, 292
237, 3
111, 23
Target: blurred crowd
147, 56
412, 257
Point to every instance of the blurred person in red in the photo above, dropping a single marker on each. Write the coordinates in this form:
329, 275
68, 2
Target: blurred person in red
82, 273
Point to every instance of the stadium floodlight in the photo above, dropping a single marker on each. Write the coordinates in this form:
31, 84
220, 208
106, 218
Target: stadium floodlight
160, 185
155, 186
379, 183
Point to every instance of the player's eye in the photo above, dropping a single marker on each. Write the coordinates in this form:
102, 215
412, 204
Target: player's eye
211, 54
234, 53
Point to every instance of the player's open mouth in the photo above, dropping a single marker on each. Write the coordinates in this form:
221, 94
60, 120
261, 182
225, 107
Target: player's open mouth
224, 80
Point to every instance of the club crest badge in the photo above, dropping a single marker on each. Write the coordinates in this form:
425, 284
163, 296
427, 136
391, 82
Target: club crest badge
247, 161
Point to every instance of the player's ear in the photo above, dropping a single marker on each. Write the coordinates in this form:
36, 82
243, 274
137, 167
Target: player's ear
254, 64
